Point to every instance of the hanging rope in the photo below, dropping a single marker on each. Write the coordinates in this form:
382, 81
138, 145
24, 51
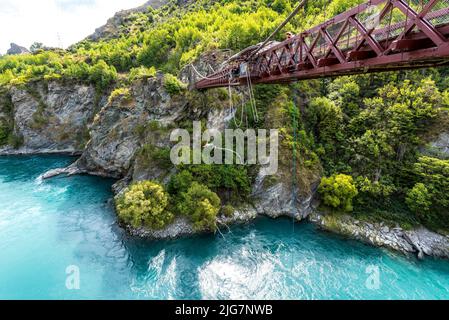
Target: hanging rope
232, 108
323, 83
294, 162
252, 97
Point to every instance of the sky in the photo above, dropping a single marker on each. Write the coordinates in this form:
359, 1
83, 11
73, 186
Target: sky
55, 23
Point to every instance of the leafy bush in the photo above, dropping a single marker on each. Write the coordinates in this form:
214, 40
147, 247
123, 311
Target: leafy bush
123, 93
144, 204
15, 141
157, 45
152, 155
227, 211
419, 200
434, 174
102, 75
372, 194
172, 85
338, 191
232, 179
201, 206
141, 73
325, 120
180, 182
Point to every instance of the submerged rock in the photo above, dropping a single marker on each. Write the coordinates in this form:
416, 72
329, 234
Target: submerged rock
69, 171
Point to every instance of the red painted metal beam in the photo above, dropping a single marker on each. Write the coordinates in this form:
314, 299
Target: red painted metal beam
346, 45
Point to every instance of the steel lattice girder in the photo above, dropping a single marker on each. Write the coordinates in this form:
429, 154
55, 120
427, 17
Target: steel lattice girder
355, 47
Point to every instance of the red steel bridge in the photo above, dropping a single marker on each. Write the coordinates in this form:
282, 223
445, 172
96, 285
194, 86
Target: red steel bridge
380, 35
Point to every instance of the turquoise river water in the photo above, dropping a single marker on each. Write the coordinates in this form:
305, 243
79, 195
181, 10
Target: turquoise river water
48, 226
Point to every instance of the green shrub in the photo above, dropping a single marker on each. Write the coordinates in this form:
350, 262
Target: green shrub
434, 174
429, 198
153, 155
180, 182
201, 205
172, 85
141, 73
157, 45
227, 211
338, 191
419, 200
144, 204
232, 179
123, 93
39, 119
102, 75
373, 193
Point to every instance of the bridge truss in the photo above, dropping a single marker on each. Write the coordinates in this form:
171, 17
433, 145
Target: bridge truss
380, 35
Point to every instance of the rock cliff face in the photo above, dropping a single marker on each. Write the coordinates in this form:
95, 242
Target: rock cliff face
51, 117
122, 127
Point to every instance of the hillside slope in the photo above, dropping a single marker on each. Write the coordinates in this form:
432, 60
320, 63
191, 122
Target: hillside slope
115, 25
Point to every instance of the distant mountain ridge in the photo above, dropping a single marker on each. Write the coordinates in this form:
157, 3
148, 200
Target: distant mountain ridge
16, 49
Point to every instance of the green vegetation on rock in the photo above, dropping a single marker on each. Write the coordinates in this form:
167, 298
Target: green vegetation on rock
200, 205
144, 204
338, 191
172, 85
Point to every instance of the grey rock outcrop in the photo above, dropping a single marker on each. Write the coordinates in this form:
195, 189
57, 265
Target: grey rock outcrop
114, 134
419, 241
429, 243
280, 200
16, 49
179, 228
441, 145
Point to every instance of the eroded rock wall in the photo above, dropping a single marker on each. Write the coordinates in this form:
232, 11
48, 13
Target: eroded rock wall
51, 117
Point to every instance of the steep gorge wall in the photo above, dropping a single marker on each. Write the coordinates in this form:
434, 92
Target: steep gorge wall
122, 127
50, 117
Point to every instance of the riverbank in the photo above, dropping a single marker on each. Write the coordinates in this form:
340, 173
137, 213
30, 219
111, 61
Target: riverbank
419, 240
